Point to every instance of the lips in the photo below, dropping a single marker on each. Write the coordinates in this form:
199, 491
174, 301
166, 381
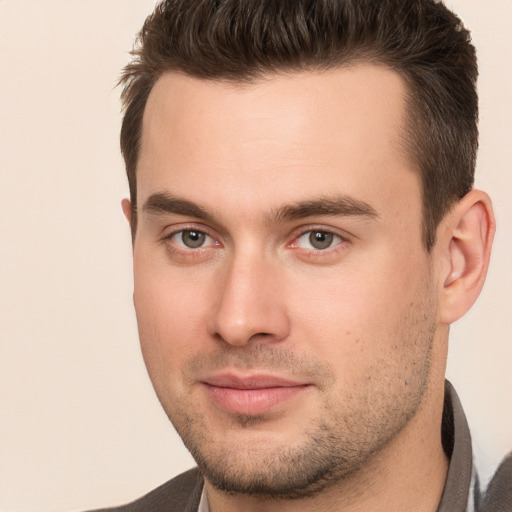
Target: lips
251, 395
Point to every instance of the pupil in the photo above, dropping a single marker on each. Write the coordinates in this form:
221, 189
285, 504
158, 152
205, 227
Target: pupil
320, 239
193, 239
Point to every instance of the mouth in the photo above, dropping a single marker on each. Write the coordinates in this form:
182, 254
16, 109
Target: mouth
251, 395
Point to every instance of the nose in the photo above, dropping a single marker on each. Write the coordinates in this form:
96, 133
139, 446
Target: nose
251, 303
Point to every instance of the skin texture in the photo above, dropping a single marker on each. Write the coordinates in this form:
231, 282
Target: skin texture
279, 238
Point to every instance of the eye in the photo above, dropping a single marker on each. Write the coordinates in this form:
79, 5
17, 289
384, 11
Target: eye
318, 240
191, 239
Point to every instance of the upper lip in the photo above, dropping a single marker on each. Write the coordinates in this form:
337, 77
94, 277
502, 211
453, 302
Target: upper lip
252, 381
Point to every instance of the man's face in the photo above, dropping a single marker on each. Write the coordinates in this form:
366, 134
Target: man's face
284, 299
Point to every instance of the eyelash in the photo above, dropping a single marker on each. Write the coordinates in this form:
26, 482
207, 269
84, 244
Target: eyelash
309, 253
319, 253
190, 250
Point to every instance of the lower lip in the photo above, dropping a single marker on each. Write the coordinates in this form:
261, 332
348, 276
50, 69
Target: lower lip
252, 401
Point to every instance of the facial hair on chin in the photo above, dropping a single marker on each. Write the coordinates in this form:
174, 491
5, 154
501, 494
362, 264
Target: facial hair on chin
335, 445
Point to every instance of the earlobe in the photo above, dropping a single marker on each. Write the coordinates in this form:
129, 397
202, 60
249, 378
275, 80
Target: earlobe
467, 237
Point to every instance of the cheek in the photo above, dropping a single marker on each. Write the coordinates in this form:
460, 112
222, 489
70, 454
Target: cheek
357, 317
170, 317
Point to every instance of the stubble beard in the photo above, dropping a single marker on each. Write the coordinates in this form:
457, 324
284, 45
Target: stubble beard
337, 445
322, 461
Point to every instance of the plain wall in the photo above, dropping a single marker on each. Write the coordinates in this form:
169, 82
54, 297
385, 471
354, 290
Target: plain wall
80, 426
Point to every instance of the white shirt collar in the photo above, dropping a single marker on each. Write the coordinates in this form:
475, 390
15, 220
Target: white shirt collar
203, 504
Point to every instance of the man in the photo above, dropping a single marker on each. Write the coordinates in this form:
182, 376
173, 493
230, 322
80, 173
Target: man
305, 230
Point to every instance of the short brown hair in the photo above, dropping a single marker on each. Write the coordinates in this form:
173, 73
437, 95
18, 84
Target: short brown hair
241, 40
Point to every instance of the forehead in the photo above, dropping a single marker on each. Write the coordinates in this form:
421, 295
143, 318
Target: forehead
299, 134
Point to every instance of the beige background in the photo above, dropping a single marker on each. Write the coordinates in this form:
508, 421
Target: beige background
79, 425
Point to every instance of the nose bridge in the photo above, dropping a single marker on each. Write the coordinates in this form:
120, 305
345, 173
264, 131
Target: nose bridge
250, 301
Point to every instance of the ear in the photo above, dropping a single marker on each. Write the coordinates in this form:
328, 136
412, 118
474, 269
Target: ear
466, 236
126, 205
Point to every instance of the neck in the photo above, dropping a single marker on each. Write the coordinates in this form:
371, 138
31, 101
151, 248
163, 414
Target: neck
408, 473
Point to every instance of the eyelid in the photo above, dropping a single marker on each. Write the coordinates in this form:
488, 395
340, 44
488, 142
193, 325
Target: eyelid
298, 233
336, 239
177, 229
342, 244
303, 230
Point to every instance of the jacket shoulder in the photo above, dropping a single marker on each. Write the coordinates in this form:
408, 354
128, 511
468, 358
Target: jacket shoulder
498, 496
181, 494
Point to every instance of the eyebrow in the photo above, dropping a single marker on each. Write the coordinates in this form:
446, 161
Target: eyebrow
343, 205
324, 206
162, 203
